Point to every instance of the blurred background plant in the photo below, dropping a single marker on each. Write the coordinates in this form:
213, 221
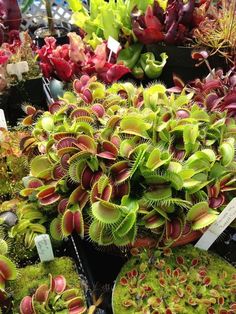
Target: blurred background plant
14, 165
20, 49
217, 31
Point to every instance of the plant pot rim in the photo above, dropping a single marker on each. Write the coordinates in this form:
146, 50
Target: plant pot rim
39, 30
148, 242
28, 80
162, 44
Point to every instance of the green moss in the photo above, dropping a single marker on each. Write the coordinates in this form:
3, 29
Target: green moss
33, 276
186, 281
19, 252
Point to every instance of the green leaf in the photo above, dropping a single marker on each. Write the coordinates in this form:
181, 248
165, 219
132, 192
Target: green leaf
110, 25
75, 5
47, 123
70, 97
200, 115
175, 179
198, 187
129, 56
197, 211
156, 159
79, 19
126, 224
190, 135
159, 193
135, 125
26, 4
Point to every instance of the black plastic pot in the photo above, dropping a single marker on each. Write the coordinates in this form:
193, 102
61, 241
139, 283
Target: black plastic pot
101, 267
225, 245
181, 63
30, 91
4, 103
61, 35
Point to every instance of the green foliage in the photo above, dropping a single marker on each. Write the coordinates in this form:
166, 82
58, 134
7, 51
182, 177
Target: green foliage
106, 18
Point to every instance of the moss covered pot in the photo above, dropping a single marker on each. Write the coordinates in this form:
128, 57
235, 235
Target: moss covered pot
185, 280
49, 287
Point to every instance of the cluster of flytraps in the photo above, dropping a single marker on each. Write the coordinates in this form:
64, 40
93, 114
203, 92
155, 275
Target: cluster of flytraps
182, 281
118, 162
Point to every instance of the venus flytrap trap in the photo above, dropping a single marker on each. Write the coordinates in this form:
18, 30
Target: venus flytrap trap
119, 163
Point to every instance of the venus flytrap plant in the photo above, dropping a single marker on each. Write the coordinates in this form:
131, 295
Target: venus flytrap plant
215, 92
23, 222
185, 280
57, 298
140, 161
52, 287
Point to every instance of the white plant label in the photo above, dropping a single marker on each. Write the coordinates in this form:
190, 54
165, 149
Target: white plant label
3, 123
44, 247
18, 69
223, 221
113, 45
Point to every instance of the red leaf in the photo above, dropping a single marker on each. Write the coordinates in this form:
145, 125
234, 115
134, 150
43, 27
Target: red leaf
100, 56
152, 21
147, 36
62, 68
26, 306
58, 284
116, 72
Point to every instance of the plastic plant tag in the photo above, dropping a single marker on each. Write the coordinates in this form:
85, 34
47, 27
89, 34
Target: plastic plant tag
22, 37
44, 247
222, 222
113, 45
18, 69
3, 123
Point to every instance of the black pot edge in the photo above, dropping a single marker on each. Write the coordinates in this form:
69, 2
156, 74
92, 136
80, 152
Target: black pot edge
181, 55
45, 27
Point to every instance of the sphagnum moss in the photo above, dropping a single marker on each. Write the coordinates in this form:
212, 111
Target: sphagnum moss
31, 277
183, 281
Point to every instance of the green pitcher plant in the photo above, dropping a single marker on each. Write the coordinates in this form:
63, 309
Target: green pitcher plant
124, 161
